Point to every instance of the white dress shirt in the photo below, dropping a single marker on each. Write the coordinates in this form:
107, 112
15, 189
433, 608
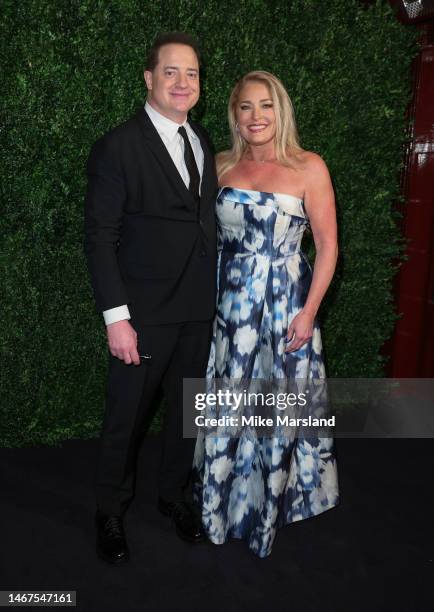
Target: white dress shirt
174, 143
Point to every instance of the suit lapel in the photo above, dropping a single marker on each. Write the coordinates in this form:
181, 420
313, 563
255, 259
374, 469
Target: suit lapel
158, 149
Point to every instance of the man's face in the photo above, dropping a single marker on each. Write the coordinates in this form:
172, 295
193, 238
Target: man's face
173, 85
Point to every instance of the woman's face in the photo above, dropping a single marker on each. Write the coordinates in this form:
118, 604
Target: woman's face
254, 113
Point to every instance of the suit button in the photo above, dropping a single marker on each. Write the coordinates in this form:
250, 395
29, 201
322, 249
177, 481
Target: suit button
202, 253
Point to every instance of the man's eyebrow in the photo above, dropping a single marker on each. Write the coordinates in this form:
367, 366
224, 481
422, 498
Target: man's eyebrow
177, 68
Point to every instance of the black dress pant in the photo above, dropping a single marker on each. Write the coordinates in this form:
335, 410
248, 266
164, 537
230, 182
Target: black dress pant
177, 351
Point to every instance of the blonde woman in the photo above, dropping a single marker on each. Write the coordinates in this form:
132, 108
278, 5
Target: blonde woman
271, 190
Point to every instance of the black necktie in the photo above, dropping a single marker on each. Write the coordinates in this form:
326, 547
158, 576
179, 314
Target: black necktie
190, 162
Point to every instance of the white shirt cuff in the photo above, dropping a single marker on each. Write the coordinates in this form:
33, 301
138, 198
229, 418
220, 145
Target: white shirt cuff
113, 315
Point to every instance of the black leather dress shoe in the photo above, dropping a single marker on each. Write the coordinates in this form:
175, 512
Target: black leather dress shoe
111, 544
187, 523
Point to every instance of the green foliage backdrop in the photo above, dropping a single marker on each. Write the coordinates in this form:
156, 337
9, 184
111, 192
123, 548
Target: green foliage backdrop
71, 69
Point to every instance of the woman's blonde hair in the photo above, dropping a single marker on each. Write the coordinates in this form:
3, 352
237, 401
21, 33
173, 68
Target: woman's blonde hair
286, 138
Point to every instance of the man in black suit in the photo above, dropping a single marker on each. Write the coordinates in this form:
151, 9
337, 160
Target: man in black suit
151, 249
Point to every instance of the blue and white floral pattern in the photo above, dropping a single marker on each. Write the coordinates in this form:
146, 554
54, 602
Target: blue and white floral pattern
248, 487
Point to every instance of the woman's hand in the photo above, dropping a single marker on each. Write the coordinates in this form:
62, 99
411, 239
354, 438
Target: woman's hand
299, 332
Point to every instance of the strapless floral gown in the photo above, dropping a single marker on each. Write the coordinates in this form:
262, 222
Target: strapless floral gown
248, 487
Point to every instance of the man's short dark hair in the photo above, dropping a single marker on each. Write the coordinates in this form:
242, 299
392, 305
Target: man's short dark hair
169, 38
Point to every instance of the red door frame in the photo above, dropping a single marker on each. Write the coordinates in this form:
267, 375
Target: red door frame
412, 345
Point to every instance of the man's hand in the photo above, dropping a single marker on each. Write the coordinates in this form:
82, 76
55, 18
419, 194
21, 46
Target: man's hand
122, 341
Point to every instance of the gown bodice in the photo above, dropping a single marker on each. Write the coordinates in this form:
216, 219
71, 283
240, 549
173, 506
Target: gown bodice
259, 223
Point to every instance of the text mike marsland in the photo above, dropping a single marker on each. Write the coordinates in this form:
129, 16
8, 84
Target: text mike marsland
259, 421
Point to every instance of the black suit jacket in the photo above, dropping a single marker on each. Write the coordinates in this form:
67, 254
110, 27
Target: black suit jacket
148, 242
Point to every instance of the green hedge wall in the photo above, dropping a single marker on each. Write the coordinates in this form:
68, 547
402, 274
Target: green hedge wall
71, 69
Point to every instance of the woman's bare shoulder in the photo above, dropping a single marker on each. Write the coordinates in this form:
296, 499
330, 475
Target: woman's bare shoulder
232, 176
226, 178
310, 160
313, 166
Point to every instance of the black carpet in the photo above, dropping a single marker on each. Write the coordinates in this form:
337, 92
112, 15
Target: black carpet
373, 552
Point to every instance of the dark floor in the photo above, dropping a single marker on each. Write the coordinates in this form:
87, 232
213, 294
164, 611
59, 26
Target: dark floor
373, 552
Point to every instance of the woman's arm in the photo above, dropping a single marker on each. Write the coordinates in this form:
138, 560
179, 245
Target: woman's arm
320, 207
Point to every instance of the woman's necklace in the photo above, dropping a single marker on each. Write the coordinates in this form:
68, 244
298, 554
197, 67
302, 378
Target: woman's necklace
262, 161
